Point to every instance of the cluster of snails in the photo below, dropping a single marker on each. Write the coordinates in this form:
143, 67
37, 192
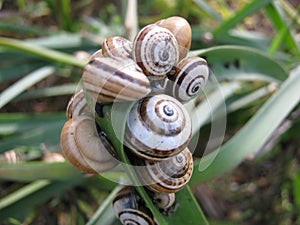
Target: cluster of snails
155, 72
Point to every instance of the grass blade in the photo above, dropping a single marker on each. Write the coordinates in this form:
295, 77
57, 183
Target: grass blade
248, 10
10, 93
254, 134
42, 52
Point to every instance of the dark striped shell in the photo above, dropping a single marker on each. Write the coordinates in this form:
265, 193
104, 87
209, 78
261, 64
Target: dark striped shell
155, 50
130, 210
157, 127
110, 79
168, 176
190, 77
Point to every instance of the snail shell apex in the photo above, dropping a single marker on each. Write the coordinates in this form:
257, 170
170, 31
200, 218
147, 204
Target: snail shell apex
182, 31
155, 50
110, 79
167, 176
191, 75
157, 127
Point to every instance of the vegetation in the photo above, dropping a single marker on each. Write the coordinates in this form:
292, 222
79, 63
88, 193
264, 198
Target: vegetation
250, 177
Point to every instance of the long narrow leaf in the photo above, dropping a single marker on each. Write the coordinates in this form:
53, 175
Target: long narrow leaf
254, 134
10, 93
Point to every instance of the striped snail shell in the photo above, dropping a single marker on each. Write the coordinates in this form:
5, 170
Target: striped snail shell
96, 55
182, 31
155, 50
84, 147
117, 47
162, 200
167, 176
130, 210
111, 79
77, 105
157, 127
189, 79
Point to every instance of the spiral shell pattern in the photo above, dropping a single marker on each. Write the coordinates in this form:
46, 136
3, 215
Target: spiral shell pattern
77, 105
157, 127
155, 50
168, 176
189, 79
182, 31
117, 47
130, 210
109, 79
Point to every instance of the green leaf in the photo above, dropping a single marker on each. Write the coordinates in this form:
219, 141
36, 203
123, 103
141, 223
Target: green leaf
297, 190
253, 135
11, 92
239, 16
42, 52
236, 62
19, 203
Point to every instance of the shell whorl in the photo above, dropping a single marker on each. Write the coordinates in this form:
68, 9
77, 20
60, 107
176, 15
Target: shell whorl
110, 79
168, 176
190, 77
77, 105
117, 47
157, 127
155, 50
130, 210
182, 31
84, 147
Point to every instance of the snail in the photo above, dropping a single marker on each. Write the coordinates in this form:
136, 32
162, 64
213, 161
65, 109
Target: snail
87, 150
157, 127
182, 31
162, 200
130, 209
108, 79
155, 50
189, 79
77, 105
167, 176
117, 47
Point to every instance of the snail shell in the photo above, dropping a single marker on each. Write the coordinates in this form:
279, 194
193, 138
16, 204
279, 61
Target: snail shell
77, 105
117, 47
110, 79
130, 210
182, 31
189, 79
162, 200
155, 50
157, 127
96, 55
84, 147
168, 176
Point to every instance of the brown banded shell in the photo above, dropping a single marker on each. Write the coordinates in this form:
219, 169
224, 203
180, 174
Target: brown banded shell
182, 31
130, 210
190, 77
157, 127
84, 147
110, 79
163, 200
117, 47
77, 105
155, 50
168, 176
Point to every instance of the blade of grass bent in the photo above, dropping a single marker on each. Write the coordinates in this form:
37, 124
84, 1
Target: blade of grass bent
17, 88
42, 52
254, 134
